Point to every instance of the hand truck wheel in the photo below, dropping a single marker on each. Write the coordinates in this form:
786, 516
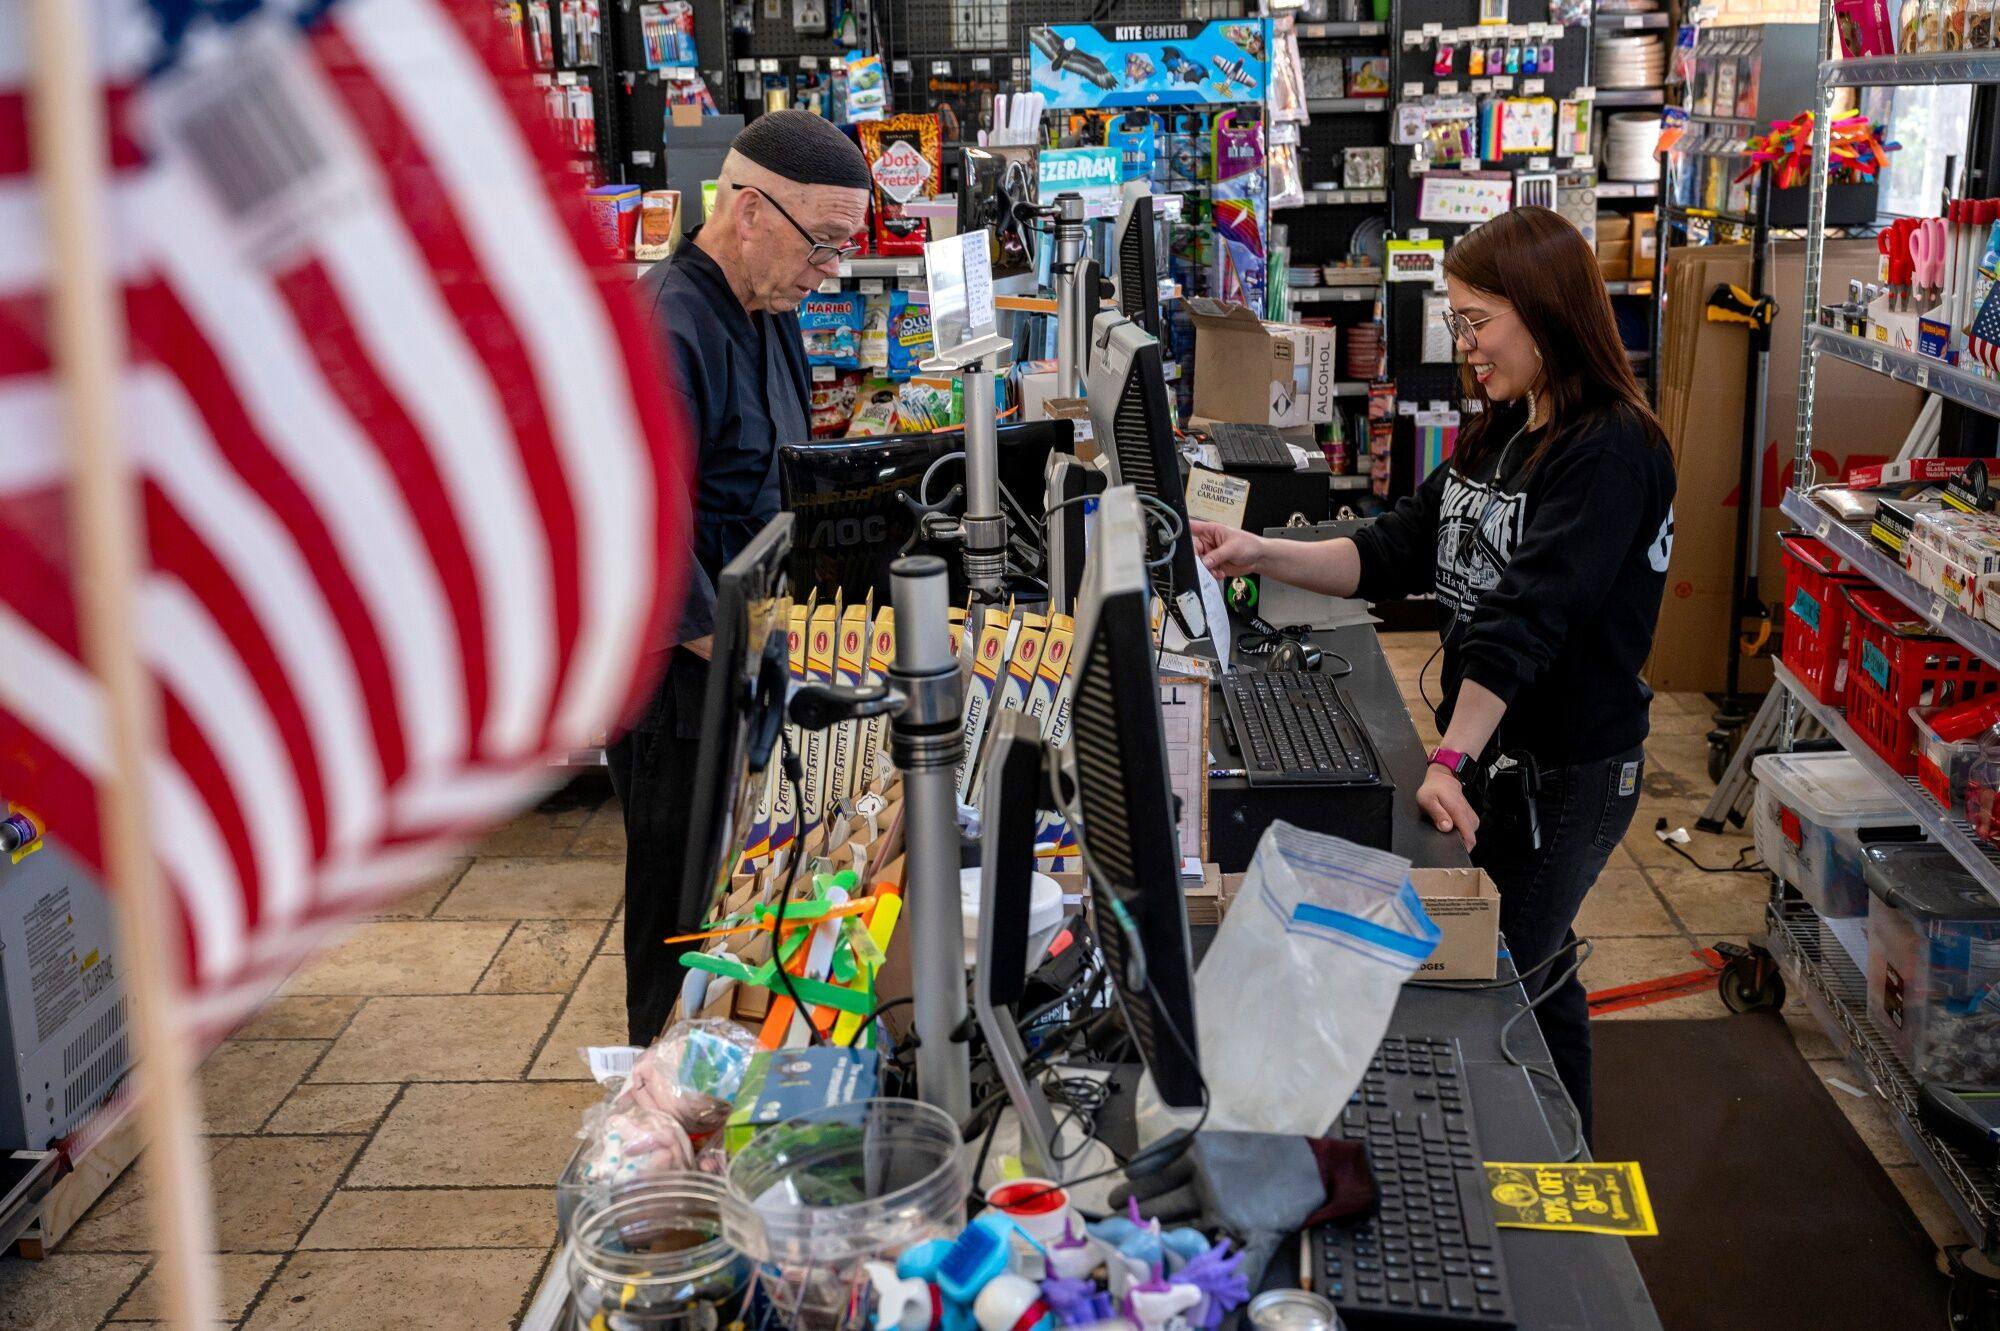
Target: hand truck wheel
1749, 980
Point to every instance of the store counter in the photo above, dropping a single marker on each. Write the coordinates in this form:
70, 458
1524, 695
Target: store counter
1560, 1282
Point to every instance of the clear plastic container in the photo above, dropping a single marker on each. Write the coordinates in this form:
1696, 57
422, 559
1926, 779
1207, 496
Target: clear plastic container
653, 1255
815, 1196
1934, 963
1814, 813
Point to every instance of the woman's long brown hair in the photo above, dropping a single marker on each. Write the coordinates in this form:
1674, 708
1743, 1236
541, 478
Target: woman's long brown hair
1541, 265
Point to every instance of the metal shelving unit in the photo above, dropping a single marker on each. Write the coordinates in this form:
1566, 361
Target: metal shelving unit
1631, 97
1334, 295
1836, 992
1807, 946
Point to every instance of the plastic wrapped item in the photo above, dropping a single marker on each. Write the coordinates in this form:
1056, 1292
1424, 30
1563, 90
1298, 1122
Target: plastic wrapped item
831, 325
1934, 963
627, 1143
1288, 188
1814, 813
816, 1196
691, 1073
653, 1256
1296, 991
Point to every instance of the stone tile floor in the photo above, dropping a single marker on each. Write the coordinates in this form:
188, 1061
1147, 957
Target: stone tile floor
385, 1134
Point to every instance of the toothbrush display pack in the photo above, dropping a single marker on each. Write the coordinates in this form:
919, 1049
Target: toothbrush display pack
1178, 63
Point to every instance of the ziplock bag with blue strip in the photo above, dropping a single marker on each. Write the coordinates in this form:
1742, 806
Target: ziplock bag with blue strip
1296, 992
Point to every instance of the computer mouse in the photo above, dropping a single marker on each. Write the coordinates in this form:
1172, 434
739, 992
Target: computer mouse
1291, 654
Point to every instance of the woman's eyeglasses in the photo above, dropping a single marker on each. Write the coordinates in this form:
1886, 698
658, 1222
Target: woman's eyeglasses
821, 254
1465, 330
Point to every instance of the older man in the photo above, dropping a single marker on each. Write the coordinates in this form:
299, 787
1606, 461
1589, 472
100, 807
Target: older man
793, 191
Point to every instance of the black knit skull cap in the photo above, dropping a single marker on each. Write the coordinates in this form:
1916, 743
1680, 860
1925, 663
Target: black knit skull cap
805, 148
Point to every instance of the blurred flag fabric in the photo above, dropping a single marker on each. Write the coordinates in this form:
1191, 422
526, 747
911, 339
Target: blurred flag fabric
414, 506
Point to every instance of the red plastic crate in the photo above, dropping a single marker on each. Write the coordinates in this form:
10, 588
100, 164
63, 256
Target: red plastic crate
1817, 616
1893, 665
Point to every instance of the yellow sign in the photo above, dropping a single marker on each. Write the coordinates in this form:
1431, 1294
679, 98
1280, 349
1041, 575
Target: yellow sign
1588, 1198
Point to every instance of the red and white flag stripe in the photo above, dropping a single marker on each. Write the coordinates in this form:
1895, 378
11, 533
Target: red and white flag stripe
414, 505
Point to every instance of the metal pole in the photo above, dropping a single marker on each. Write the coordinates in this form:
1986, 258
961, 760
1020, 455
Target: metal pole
1072, 319
927, 739
984, 525
1746, 482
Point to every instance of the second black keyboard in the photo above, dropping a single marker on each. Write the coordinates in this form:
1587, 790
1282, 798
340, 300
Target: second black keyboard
1250, 448
1430, 1255
1293, 728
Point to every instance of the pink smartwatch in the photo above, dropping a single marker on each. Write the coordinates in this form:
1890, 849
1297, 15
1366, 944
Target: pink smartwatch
1458, 764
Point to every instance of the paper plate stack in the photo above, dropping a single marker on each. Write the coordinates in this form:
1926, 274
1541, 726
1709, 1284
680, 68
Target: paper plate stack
1635, 61
1630, 139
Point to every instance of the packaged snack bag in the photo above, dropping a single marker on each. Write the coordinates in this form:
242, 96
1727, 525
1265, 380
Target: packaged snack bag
906, 156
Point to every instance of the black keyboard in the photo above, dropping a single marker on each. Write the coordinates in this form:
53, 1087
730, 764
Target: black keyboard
1250, 448
1430, 1256
1294, 729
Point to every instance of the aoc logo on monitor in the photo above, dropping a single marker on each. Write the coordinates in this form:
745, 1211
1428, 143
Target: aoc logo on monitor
828, 532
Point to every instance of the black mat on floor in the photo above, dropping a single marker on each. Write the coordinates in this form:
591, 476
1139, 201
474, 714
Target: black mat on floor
1772, 1211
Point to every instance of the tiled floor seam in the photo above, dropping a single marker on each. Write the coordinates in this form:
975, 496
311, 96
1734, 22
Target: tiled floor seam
493, 960
145, 1270
305, 1077
277, 1272
535, 1285
535, 1054
445, 895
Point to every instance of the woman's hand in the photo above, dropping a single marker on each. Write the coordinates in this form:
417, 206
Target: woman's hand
1443, 801
1227, 552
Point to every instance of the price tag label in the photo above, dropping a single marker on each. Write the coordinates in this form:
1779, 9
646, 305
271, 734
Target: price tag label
746, 66
981, 65
1413, 37
1406, 408
1469, 165
1482, 85
872, 286
1824, 529
1635, 20
1503, 82
1538, 163
1532, 87
1433, 29
941, 68
1413, 90
1447, 87
767, 66
822, 374
1937, 610
1583, 94
1587, 162
642, 159
1420, 233
566, 77
899, 67
808, 62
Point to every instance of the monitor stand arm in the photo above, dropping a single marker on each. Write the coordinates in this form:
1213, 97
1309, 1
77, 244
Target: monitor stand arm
1016, 777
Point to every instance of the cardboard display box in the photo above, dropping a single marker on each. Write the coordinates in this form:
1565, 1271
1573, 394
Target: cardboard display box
1250, 372
1465, 904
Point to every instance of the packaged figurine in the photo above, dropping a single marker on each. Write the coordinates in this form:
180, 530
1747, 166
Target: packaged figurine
906, 157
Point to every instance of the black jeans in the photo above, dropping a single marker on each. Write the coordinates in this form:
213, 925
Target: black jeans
652, 771
1585, 810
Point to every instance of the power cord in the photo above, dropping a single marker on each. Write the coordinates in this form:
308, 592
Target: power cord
1583, 948
1743, 863
795, 777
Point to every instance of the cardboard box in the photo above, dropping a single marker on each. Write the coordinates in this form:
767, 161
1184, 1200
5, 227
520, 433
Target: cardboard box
1465, 904
1861, 418
1895, 474
1249, 372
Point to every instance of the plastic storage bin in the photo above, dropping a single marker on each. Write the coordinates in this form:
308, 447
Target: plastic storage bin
1895, 664
1934, 963
1817, 616
1814, 813
1943, 765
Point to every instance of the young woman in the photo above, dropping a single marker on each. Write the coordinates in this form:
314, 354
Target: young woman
1546, 540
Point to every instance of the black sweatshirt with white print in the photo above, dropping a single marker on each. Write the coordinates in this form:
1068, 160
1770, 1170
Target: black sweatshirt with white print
1548, 581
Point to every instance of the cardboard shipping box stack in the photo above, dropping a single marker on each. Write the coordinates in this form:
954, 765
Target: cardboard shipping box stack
1250, 372
1861, 417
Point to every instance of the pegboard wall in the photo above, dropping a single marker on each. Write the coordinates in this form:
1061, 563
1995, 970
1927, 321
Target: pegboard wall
1417, 70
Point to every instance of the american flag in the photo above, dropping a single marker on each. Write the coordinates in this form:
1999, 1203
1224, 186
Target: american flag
413, 502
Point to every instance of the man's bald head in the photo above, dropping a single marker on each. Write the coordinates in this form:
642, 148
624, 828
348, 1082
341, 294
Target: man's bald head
791, 182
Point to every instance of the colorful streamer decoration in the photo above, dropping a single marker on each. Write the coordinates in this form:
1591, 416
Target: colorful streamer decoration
1854, 151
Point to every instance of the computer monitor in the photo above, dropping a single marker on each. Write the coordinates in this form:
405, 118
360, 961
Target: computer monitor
854, 502
1125, 801
1129, 410
748, 675
1138, 249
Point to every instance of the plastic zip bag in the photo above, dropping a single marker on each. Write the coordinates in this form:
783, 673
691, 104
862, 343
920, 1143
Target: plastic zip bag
1295, 993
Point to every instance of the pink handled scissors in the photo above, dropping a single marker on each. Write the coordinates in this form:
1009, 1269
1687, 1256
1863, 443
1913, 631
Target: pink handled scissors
1927, 251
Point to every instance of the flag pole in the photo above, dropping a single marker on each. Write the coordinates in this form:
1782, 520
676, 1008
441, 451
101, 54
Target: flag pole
87, 337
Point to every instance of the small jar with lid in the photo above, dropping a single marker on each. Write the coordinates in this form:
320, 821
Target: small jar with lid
651, 1257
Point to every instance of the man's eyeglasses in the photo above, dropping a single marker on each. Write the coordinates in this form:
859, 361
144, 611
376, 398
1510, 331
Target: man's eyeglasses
821, 254
1465, 330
